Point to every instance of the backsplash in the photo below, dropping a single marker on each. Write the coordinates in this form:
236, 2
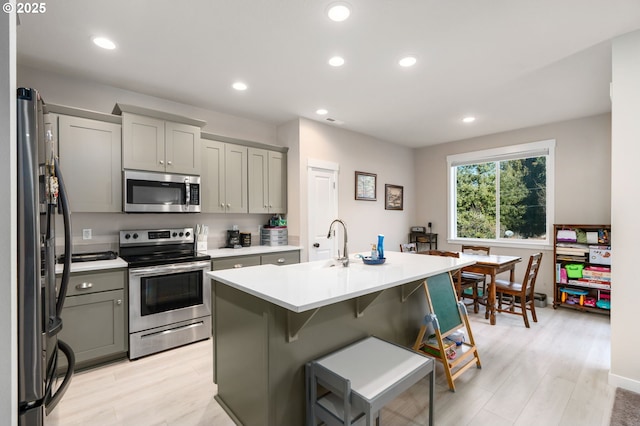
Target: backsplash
105, 227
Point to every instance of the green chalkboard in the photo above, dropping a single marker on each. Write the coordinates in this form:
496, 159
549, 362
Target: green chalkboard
443, 302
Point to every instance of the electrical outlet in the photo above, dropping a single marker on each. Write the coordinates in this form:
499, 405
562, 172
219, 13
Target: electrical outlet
86, 234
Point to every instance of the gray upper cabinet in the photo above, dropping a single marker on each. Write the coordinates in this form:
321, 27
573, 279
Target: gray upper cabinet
224, 177
267, 181
90, 160
157, 145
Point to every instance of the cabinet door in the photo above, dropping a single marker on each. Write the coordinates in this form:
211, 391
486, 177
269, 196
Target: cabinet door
235, 165
213, 177
90, 161
282, 258
94, 325
277, 182
94, 282
258, 180
234, 262
142, 143
182, 148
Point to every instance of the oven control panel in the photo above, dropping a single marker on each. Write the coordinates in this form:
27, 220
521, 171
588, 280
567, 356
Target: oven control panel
157, 236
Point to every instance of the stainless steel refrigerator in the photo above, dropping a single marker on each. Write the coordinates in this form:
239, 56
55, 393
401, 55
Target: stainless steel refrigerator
41, 194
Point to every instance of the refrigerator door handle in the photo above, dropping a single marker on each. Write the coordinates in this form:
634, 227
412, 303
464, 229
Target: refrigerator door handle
66, 216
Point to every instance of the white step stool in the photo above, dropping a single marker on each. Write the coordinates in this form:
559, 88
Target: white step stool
362, 378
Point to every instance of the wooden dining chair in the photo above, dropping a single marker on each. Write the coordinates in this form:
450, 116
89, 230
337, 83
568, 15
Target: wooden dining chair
520, 294
409, 248
477, 292
456, 275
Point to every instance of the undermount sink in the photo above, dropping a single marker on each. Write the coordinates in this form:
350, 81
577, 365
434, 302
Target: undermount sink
322, 264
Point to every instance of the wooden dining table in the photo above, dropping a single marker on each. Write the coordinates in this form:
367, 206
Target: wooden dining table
491, 265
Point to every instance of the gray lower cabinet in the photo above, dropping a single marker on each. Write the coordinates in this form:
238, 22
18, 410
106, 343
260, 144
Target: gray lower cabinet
283, 258
234, 262
278, 258
94, 317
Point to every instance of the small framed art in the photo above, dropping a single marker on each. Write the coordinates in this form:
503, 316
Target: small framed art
365, 186
393, 197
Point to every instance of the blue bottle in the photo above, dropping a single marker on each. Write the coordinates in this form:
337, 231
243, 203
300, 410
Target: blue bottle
380, 246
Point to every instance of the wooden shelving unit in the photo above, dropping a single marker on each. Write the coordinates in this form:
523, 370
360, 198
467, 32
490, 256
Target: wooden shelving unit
592, 250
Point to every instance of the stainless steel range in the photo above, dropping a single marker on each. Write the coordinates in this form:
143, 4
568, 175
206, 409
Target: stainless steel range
169, 293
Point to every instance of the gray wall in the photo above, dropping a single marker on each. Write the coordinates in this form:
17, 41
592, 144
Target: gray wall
582, 179
625, 339
8, 287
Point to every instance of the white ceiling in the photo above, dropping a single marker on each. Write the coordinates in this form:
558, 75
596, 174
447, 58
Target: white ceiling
510, 63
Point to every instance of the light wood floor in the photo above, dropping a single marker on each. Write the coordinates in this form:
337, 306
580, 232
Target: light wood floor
553, 373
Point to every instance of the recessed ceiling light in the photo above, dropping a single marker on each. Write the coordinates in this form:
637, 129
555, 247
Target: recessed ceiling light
336, 61
338, 12
322, 111
468, 119
238, 85
104, 42
407, 61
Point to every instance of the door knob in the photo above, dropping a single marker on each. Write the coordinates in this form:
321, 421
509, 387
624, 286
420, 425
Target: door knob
316, 245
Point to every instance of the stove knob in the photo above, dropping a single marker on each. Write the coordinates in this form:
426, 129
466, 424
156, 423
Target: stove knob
127, 236
135, 236
175, 234
182, 234
187, 234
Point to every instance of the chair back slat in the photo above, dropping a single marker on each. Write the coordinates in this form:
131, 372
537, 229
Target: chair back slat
476, 250
531, 275
443, 253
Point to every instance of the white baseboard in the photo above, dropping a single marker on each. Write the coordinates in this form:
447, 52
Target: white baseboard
624, 382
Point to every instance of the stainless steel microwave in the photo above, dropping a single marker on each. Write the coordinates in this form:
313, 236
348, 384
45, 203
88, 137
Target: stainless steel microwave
149, 192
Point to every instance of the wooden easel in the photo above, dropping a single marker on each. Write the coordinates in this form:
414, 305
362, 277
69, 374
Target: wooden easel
447, 316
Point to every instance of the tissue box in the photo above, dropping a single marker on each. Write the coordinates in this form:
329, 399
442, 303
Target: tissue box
600, 255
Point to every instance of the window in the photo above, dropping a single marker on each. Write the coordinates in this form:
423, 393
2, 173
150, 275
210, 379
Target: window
502, 195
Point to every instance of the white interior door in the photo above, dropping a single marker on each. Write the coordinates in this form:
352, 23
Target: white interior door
323, 208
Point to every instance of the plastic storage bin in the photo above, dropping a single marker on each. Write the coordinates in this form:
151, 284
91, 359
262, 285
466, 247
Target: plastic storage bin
574, 270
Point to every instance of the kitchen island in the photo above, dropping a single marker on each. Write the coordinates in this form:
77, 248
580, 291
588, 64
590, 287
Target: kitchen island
270, 320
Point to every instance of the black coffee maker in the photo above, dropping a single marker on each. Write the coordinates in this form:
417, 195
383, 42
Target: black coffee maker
233, 238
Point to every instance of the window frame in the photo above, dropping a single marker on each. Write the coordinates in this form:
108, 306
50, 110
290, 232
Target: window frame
512, 152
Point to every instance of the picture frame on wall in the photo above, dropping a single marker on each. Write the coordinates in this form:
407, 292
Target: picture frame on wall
366, 186
393, 197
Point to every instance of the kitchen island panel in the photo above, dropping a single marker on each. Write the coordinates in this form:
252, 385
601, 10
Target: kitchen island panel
260, 373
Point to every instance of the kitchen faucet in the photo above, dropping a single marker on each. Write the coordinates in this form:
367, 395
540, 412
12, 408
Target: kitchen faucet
345, 253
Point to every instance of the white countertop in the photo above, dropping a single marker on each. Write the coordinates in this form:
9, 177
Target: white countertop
94, 266
305, 286
215, 254
246, 251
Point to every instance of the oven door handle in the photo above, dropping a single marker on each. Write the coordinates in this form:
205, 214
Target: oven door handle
180, 267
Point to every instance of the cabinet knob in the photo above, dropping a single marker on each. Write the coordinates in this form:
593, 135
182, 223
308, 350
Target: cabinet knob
270, 206
281, 260
161, 162
119, 302
265, 206
316, 245
222, 205
237, 265
229, 206
169, 162
84, 286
